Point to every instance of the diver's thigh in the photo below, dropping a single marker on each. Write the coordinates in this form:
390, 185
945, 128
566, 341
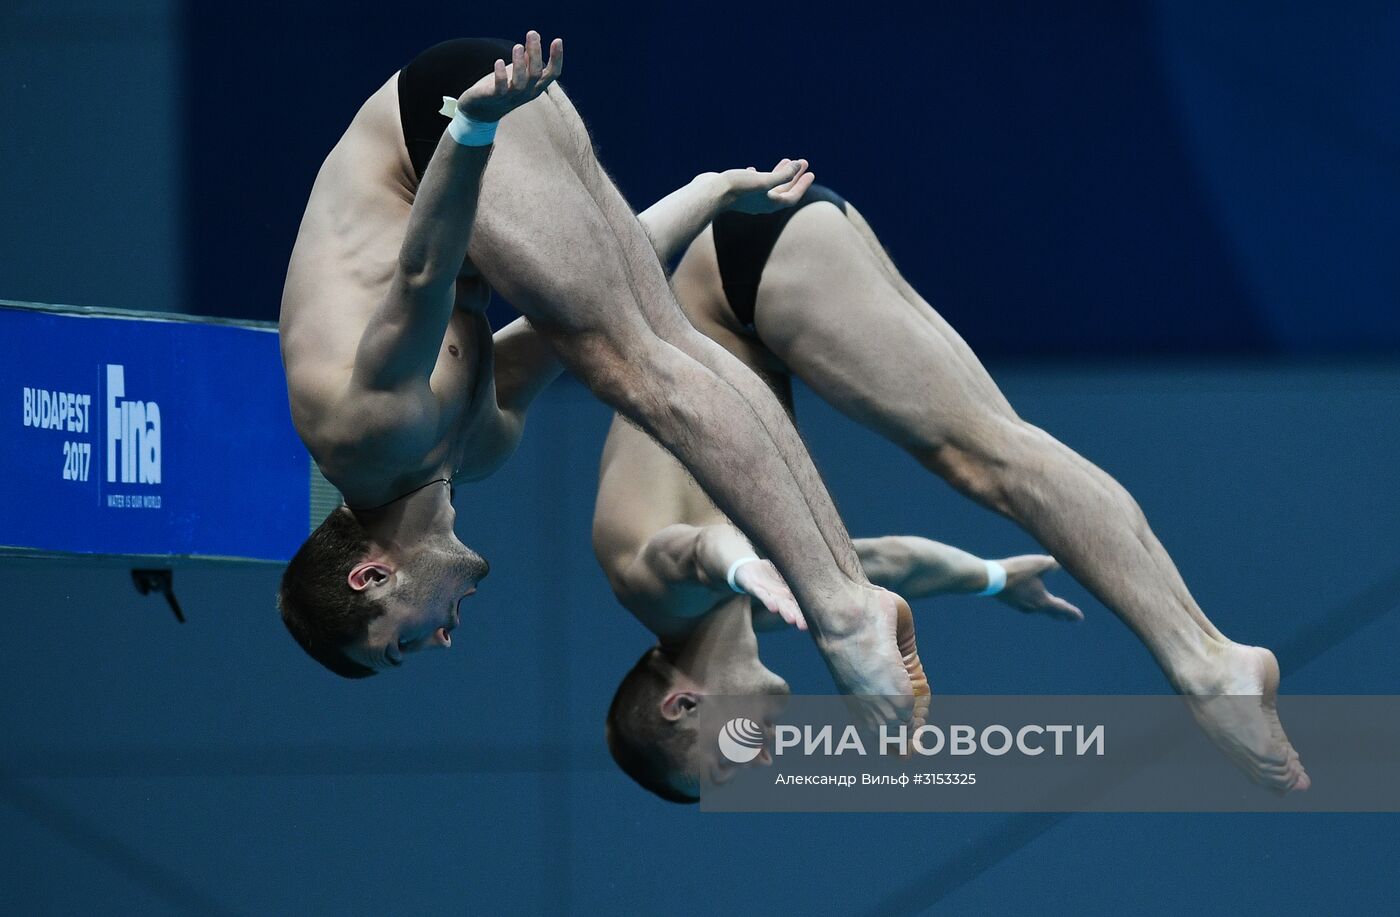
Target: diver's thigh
829, 311
539, 237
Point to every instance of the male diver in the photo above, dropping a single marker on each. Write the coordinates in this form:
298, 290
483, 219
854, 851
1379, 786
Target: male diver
395, 389
697, 584
809, 291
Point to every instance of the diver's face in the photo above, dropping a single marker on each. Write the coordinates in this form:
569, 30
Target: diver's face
422, 605
703, 764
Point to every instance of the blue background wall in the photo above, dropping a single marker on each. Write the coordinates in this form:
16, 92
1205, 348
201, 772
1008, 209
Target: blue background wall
1107, 178
1136, 178
91, 157
1124, 181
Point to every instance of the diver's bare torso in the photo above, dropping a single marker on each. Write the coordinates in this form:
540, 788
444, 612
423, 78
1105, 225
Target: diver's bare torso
642, 489
374, 445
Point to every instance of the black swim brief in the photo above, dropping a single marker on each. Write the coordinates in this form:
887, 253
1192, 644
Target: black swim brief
743, 242
445, 69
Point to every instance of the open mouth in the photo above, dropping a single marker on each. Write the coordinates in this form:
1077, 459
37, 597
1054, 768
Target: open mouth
451, 625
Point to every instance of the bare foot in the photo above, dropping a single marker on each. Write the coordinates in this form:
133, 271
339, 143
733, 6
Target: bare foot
877, 660
909, 651
1236, 706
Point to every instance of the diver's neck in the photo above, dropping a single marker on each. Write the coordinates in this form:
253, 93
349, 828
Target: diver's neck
723, 640
420, 515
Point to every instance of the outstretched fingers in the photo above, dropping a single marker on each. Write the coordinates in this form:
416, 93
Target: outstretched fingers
519, 69
555, 64
513, 82
1062, 609
534, 53
789, 611
792, 188
529, 71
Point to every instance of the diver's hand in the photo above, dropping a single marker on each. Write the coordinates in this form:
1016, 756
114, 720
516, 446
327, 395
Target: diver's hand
511, 85
751, 191
760, 579
1025, 590
719, 547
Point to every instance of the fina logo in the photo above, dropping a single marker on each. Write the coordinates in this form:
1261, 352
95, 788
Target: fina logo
741, 740
135, 427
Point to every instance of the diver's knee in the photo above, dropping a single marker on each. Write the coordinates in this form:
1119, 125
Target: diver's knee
632, 374
982, 461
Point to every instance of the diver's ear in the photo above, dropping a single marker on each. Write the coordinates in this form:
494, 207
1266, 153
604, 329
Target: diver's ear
368, 573
678, 704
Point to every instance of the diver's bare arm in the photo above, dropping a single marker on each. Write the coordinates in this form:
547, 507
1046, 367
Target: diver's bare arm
918, 567
525, 366
682, 568
673, 222
403, 338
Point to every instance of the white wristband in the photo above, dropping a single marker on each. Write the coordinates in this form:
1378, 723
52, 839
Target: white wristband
463, 129
734, 568
996, 578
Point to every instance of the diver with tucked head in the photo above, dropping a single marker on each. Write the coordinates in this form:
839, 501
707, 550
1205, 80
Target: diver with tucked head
810, 292
396, 381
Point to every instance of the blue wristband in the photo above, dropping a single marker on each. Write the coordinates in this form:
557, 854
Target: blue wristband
996, 578
464, 130
734, 568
